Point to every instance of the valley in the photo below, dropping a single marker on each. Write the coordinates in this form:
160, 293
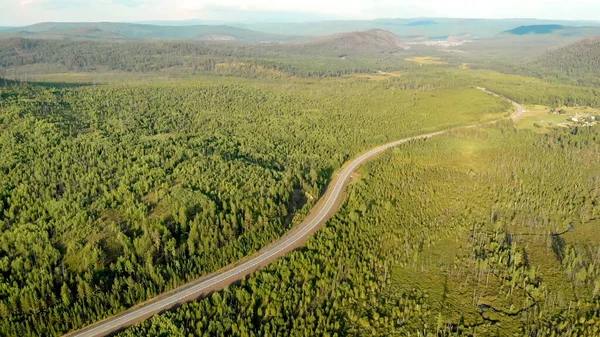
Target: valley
345, 178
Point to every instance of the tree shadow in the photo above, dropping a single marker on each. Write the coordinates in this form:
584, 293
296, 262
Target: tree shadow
558, 246
324, 177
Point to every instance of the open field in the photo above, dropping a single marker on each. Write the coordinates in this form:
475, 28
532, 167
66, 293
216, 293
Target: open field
426, 60
541, 118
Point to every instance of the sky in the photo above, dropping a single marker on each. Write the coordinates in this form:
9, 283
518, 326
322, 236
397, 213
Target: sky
24, 12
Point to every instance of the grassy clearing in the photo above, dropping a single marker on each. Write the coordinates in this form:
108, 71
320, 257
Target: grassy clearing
379, 76
428, 60
542, 119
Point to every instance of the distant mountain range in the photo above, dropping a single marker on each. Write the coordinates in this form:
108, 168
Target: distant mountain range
130, 31
555, 29
405, 29
409, 28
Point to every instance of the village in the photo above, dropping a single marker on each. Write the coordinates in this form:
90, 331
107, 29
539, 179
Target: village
541, 118
578, 118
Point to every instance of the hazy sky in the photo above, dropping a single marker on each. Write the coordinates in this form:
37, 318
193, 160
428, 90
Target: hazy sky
22, 12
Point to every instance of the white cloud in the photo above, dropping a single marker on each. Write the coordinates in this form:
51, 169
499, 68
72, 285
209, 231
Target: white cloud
25, 3
19, 12
394, 8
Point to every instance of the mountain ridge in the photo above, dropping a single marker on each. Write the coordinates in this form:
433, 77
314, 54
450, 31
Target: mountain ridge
372, 40
134, 31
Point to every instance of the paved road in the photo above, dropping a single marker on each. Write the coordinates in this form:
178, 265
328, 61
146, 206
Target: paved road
520, 109
224, 277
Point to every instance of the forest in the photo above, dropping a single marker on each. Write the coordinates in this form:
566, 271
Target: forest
572, 67
240, 59
579, 61
487, 231
131, 168
114, 194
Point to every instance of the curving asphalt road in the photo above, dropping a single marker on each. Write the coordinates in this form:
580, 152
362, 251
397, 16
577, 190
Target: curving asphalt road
520, 109
218, 280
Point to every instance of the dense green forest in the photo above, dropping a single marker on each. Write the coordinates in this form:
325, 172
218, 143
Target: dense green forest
579, 62
485, 231
134, 167
247, 60
113, 194
562, 77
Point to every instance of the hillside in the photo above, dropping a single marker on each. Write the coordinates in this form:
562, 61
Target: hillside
111, 31
580, 60
552, 29
409, 27
83, 33
535, 29
421, 23
25, 58
374, 40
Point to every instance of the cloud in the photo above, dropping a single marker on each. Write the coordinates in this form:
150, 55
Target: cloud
65, 4
25, 3
20, 12
53, 4
130, 3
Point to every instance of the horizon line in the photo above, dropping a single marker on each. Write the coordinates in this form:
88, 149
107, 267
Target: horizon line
225, 22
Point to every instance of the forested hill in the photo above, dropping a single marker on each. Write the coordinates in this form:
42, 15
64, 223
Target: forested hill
374, 40
409, 27
128, 31
580, 61
557, 30
20, 57
535, 29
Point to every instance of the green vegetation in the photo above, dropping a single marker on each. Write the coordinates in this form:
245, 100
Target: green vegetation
543, 119
132, 168
367, 42
485, 231
426, 60
530, 90
113, 194
25, 57
579, 61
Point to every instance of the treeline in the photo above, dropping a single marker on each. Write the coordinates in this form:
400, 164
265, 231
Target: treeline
545, 94
530, 90
247, 60
113, 194
452, 236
